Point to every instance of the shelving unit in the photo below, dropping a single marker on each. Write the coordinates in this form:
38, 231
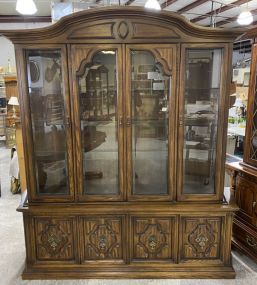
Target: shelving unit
3, 108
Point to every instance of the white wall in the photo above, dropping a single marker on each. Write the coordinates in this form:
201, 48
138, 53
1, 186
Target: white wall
7, 48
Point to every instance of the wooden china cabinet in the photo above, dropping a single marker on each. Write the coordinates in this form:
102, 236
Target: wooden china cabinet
125, 171
244, 173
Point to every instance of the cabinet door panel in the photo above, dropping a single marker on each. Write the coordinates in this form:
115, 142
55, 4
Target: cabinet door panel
153, 239
54, 239
97, 81
149, 121
246, 196
103, 239
201, 239
48, 106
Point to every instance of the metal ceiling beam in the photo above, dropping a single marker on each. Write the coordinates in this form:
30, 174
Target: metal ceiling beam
192, 6
232, 19
129, 2
24, 19
167, 3
219, 10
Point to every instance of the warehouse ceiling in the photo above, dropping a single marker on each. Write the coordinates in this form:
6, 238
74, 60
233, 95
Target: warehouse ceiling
220, 13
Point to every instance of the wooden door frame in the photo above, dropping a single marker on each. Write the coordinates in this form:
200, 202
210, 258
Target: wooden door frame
33, 195
171, 183
89, 51
225, 68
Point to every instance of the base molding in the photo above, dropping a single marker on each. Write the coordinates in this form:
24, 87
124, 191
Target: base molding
181, 273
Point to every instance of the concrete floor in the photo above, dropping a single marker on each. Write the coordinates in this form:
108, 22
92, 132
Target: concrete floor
12, 249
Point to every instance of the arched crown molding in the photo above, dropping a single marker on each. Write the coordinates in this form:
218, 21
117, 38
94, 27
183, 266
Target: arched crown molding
121, 24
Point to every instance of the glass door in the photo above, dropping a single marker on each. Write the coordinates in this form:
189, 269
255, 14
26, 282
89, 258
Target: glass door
150, 110
47, 105
202, 99
99, 87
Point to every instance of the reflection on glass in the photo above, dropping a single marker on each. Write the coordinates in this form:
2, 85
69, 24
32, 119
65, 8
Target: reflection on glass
98, 115
202, 89
150, 95
47, 116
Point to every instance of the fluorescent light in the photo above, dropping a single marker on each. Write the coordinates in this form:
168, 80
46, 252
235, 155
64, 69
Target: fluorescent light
108, 52
245, 18
26, 7
152, 4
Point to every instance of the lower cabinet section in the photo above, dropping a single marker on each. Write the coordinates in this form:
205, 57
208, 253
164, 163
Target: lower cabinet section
128, 246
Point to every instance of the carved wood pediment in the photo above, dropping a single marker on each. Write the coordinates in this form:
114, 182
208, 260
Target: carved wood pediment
153, 30
94, 30
123, 30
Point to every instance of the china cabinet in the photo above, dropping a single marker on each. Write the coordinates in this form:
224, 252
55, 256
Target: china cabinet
244, 174
124, 156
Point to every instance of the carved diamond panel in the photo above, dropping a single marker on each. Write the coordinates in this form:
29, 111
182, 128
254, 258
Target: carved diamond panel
201, 238
152, 238
54, 239
102, 238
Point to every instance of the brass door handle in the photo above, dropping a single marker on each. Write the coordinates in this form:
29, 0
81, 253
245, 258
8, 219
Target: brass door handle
121, 121
251, 241
128, 122
254, 204
67, 122
181, 121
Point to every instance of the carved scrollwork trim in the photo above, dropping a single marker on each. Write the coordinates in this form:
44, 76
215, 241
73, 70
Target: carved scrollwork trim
164, 57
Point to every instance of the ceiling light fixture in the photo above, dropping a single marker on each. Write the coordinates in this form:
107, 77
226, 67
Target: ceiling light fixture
153, 4
26, 7
245, 17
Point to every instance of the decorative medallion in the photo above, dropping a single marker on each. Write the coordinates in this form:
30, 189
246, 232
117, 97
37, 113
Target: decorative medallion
123, 30
202, 240
53, 239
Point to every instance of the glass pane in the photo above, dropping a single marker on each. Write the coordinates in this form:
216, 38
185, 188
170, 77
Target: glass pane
98, 115
253, 148
202, 90
47, 115
150, 95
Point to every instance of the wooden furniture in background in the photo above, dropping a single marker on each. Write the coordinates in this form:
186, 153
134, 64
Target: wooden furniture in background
11, 90
244, 174
115, 196
244, 190
20, 152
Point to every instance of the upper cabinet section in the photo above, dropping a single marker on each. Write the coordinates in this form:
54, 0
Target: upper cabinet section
122, 25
